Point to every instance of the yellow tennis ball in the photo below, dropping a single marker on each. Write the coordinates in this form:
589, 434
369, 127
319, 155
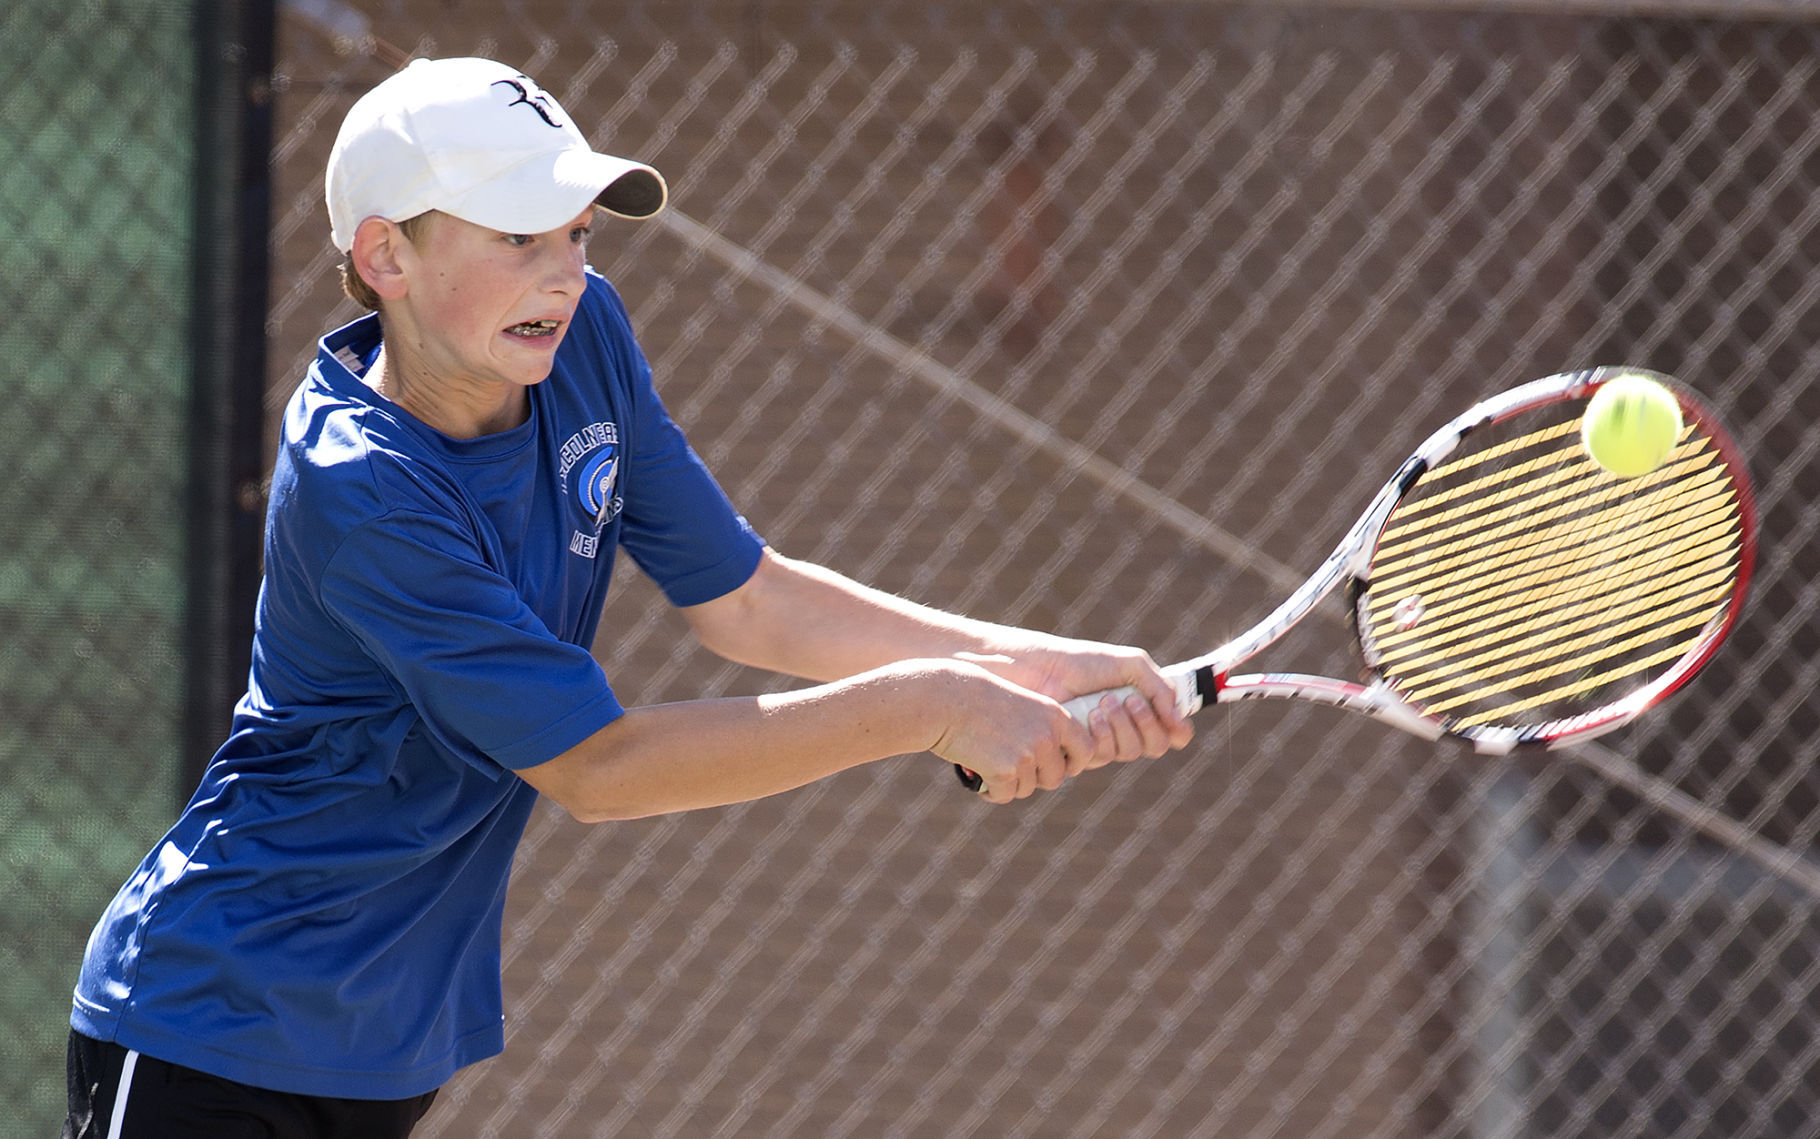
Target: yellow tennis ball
1630, 425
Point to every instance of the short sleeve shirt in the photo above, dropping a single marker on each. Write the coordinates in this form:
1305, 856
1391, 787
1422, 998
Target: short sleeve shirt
324, 917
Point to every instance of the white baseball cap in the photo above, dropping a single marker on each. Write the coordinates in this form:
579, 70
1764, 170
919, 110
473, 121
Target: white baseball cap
478, 140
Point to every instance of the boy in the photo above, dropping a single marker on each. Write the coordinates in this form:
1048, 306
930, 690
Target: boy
313, 948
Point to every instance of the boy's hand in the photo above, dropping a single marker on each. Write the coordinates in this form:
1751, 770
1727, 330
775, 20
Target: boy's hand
1017, 740
1144, 725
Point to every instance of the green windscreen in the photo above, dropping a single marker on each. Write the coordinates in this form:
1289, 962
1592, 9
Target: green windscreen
97, 193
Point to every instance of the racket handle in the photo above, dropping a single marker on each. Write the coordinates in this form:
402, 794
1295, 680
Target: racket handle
1194, 688
1192, 691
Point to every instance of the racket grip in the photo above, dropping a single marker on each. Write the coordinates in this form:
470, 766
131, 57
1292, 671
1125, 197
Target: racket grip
1190, 695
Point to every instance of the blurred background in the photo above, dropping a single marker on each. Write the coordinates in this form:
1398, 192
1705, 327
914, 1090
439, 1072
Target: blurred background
1102, 316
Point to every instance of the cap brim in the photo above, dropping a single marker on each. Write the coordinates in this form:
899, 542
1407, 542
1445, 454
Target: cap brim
549, 190
638, 193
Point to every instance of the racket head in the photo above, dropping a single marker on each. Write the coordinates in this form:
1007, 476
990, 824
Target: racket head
1518, 595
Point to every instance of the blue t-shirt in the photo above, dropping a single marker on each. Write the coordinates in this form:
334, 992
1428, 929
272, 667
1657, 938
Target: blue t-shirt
324, 917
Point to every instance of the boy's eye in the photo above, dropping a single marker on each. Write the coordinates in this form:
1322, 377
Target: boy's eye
518, 238
580, 234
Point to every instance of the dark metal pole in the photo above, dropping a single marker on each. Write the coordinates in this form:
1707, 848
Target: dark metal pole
237, 45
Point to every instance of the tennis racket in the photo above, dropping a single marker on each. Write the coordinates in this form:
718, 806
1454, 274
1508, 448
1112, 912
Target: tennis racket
1507, 591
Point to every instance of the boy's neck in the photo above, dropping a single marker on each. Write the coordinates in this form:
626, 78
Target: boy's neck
458, 411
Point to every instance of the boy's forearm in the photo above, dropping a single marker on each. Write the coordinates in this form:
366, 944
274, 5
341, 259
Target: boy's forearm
706, 753
808, 621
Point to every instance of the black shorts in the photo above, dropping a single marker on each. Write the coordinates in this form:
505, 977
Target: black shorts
117, 1094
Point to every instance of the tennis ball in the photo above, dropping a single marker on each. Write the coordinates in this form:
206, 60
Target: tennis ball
1630, 425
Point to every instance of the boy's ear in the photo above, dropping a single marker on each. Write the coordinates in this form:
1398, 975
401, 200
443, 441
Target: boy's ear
376, 256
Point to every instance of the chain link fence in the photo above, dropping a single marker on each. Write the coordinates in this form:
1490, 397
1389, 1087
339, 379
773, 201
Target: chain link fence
1102, 318
97, 199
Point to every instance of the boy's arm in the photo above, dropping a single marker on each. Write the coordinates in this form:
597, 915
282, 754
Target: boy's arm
805, 620
901, 678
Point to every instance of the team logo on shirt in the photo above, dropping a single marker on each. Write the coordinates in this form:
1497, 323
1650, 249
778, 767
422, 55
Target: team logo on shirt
599, 478
590, 468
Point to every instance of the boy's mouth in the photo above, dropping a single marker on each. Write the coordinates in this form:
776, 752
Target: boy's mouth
533, 329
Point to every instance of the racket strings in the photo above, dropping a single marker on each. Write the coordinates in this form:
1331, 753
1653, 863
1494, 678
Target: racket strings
1609, 607
1526, 573
1490, 687
1546, 538
1564, 485
1647, 624
1520, 638
1551, 455
1573, 630
1521, 582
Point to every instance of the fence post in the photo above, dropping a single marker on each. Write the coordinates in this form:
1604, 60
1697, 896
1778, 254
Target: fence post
236, 43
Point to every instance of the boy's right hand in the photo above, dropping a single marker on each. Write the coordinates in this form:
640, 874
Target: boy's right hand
1017, 741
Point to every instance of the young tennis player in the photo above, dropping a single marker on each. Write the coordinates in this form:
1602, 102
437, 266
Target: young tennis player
314, 947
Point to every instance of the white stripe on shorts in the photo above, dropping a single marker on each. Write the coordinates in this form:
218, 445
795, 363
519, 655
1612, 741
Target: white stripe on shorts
126, 1083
